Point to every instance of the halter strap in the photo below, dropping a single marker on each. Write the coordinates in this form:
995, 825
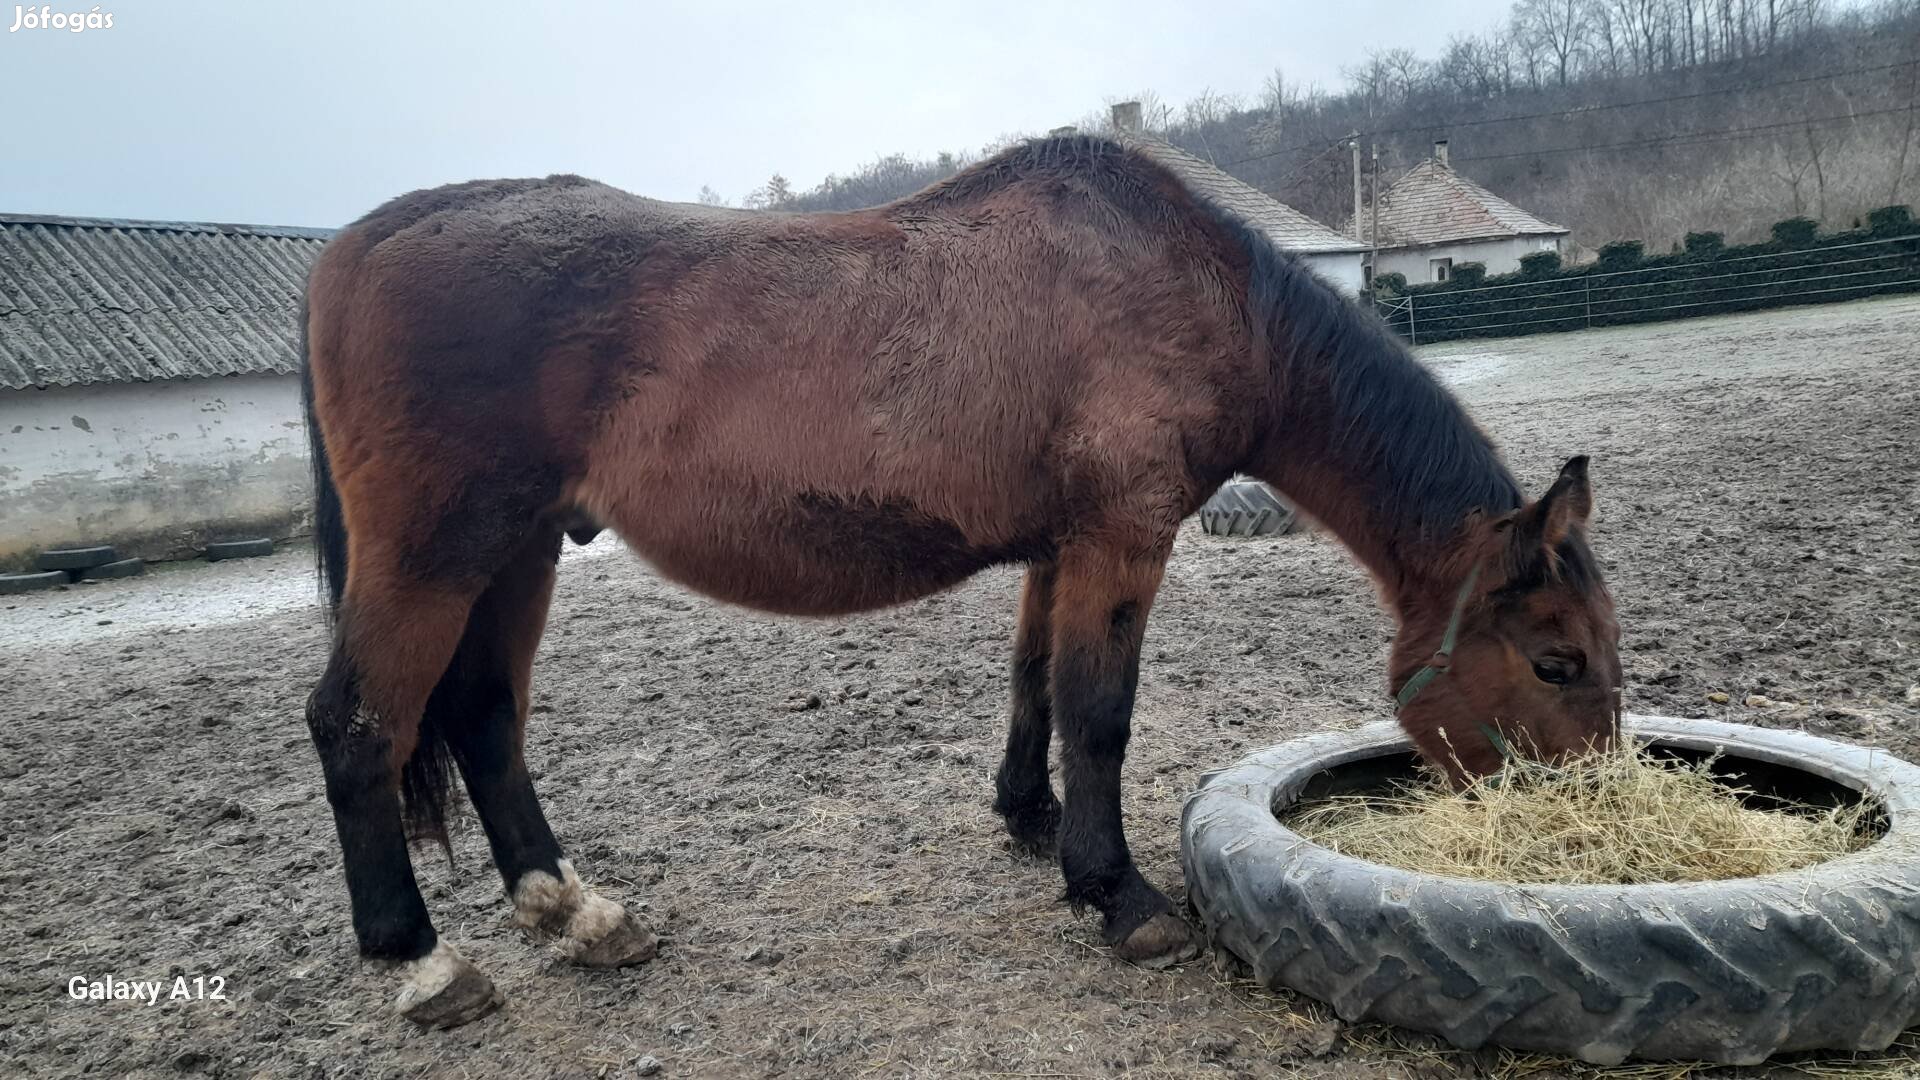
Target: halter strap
1444, 657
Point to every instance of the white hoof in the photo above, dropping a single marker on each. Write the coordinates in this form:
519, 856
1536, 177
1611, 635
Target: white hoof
592, 931
443, 989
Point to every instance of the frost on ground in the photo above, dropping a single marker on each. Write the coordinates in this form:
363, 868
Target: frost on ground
834, 896
173, 598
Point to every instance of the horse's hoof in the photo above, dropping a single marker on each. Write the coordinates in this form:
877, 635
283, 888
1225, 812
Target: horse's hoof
443, 990
1160, 942
1033, 828
1039, 847
602, 935
593, 931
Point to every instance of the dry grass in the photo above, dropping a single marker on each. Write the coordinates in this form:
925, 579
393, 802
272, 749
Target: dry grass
1623, 817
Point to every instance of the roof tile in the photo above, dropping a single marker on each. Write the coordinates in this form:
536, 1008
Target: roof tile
1432, 204
90, 300
1290, 229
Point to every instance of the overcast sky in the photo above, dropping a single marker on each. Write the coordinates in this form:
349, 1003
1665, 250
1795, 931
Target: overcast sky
296, 113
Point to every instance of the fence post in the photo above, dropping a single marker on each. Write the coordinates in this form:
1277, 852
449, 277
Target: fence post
1588, 281
1412, 337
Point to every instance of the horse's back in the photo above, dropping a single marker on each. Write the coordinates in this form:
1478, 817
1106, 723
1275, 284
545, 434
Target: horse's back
491, 320
797, 412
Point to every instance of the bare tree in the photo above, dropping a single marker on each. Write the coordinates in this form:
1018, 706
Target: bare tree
1562, 28
1457, 69
1607, 38
1696, 43
776, 194
1792, 172
710, 197
1819, 173
1527, 50
1406, 72
1388, 78
1476, 67
1906, 133
1640, 23
1278, 99
1372, 81
1276, 94
1496, 60
1783, 20
1210, 107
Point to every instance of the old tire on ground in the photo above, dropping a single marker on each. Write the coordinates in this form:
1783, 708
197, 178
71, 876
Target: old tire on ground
1826, 957
80, 558
1244, 507
125, 568
15, 584
238, 549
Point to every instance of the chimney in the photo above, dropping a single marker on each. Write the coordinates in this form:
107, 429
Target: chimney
1126, 117
1440, 151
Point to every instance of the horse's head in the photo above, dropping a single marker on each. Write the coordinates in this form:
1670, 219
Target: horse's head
1532, 663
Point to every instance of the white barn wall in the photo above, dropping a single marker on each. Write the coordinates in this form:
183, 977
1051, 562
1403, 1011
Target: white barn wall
156, 468
1344, 270
1502, 256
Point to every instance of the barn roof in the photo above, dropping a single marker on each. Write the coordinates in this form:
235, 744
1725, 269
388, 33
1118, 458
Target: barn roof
93, 300
1285, 226
1432, 204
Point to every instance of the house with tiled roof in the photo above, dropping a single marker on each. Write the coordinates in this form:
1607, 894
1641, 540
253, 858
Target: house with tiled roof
1432, 219
1336, 258
149, 384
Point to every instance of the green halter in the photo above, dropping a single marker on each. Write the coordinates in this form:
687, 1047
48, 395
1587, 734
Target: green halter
1444, 657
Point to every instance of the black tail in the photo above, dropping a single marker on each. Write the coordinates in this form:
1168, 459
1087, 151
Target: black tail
329, 528
428, 775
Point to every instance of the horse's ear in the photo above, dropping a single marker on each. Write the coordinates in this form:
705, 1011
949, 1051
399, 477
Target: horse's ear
1565, 507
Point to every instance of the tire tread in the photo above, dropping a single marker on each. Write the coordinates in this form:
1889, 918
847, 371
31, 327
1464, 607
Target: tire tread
1729, 972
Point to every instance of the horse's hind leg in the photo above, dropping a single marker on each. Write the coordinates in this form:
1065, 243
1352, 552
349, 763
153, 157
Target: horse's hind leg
480, 708
1105, 587
1023, 795
393, 640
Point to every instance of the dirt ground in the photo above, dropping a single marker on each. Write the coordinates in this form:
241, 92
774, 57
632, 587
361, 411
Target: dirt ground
836, 896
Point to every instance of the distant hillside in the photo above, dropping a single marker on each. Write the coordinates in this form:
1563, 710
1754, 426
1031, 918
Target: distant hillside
1622, 119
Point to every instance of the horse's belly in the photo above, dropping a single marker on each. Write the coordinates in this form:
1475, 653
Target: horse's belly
810, 555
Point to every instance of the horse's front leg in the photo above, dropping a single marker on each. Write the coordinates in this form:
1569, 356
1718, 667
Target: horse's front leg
1101, 598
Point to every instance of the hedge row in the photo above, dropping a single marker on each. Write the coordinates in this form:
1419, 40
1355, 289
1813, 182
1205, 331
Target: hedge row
1623, 285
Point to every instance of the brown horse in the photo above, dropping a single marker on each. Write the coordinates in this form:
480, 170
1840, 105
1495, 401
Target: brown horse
1050, 359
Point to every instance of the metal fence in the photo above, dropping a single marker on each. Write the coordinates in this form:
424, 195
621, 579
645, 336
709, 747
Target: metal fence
1668, 290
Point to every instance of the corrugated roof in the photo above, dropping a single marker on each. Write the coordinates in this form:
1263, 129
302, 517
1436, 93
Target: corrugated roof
92, 300
1432, 204
1288, 228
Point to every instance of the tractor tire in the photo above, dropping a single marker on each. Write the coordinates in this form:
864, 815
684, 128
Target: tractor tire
238, 549
1245, 507
1826, 957
15, 584
80, 558
125, 568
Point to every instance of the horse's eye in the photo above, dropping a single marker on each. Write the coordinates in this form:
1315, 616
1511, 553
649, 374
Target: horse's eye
1559, 670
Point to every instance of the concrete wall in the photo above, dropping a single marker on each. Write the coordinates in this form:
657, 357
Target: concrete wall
154, 468
1501, 256
1345, 271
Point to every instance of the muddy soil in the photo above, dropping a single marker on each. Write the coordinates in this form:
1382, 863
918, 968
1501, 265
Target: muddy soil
836, 897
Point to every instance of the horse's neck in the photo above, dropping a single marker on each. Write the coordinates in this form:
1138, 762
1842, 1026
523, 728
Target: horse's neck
1341, 499
1397, 508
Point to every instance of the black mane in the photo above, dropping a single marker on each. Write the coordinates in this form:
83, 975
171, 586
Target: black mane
1122, 177
1435, 464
